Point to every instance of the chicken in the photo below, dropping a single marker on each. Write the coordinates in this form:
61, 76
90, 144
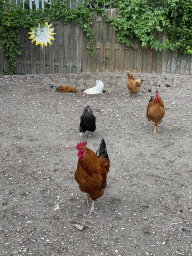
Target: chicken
96, 89
92, 170
67, 88
132, 84
87, 120
155, 111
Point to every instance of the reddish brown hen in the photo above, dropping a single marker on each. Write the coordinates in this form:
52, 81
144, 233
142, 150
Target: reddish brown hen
92, 170
67, 88
155, 111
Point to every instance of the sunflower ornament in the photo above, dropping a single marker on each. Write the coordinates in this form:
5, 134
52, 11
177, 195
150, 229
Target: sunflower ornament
42, 34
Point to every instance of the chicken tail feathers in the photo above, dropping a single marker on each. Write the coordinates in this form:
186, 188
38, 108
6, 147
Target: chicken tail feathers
102, 151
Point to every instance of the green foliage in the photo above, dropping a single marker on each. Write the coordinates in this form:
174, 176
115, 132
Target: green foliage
179, 26
140, 19
136, 20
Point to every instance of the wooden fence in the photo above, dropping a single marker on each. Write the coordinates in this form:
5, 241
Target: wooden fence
69, 53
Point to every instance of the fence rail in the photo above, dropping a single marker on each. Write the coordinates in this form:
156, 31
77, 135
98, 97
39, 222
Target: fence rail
41, 3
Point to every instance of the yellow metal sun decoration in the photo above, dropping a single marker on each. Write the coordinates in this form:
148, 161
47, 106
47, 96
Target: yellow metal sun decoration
42, 34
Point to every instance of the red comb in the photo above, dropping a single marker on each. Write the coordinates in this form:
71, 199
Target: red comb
81, 145
157, 97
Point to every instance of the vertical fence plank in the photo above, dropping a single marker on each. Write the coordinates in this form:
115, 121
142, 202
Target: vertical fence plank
30, 4
162, 39
130, 59
149, 60
139, 58
135, 57
174, 63
125, 62
183, 64
190, 66
1, 58
43, 4
188, 62
168, 61
57, 62
154, 61
85, 57
33, 59
159, 62
108, 59
144, 58
79, 48
61, 49
47, 60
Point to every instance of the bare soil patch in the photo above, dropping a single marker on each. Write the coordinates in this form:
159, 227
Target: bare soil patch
147, 205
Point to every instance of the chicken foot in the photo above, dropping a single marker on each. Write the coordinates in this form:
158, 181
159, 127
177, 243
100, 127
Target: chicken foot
129, 94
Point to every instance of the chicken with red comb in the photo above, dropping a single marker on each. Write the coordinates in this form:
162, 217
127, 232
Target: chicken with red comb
155, 111
92, 170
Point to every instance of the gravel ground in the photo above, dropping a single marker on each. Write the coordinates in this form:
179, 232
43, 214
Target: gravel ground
147, 206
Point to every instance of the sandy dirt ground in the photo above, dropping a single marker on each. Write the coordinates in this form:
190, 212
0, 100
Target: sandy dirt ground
147, 206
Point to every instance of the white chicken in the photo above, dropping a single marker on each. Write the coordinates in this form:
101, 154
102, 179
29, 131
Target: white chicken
96, 89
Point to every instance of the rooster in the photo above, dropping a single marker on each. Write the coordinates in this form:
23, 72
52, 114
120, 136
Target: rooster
132, 84
155, 111
92, 170
87, 120
96, 89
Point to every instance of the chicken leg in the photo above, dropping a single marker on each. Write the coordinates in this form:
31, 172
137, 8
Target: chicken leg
86, 200
92, 208
155, 130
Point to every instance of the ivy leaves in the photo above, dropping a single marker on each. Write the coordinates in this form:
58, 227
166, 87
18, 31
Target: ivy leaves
140, 19
179, 26
9, 28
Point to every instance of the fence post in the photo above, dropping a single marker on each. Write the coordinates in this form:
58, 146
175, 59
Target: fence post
1, 59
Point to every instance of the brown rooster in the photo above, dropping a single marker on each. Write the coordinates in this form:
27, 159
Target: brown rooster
132, 84
155, 111
67, 88
92, 169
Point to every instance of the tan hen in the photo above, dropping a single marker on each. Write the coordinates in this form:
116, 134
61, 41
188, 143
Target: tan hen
132, 84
